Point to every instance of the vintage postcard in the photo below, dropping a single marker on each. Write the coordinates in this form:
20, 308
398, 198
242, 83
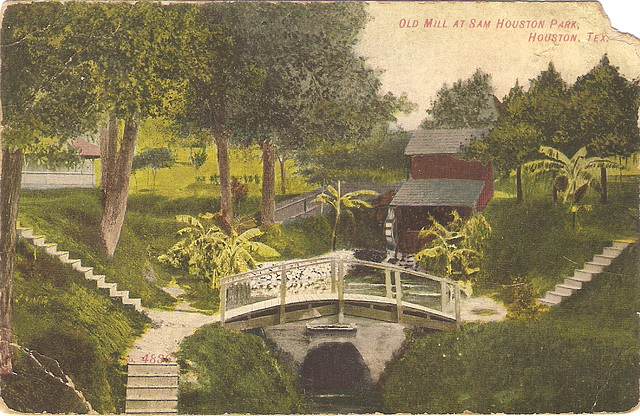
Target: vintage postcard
318, 208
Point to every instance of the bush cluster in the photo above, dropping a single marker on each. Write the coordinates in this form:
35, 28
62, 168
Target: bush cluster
225, 371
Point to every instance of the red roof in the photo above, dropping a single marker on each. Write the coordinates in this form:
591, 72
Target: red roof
87, 149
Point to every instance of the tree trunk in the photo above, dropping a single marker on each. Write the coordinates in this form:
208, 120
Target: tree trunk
224, 172
603, 182
268, 205
519, 184
108, 137
554, 190
115, 187
283, 175
9, 194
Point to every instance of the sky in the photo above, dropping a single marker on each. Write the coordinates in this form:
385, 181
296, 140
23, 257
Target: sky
418, 60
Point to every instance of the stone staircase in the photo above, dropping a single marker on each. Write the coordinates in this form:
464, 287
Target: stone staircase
152, 389
581, 277
52, 249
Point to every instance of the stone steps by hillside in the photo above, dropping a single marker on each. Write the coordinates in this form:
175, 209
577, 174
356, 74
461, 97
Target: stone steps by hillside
583, 276
152, 389
63, 256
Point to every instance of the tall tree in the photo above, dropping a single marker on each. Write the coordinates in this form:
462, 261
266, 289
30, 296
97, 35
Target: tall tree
604, 115
468, 103
314, 86
531, 119
48, 91
137, 61
219, 80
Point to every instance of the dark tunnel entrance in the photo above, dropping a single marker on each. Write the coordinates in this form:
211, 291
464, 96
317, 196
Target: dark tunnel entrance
335, 368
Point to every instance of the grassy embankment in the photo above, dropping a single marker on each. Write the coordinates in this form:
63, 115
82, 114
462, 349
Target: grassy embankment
61, 315
580, 357
535, 242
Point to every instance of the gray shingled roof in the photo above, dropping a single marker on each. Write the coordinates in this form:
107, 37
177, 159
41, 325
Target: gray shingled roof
442, 141
438, 192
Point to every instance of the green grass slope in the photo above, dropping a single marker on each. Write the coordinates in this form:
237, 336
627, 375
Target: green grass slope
580, 357
535, 241
232, 372
71, 218
62, 316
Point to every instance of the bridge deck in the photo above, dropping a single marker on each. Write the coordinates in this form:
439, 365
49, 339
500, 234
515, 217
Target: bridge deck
239, 313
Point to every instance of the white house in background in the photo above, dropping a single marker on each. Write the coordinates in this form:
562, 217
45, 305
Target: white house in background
82, 175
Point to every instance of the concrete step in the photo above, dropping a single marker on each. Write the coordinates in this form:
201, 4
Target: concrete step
573, 284
123, 295
111, 287
550, 302
78, 266
611, 252
564, 290
621, 244
25, 232
594, 267
38, 241
553, 297
98, 278
152, 393
150, 381
50, 249
602, 259
583, 275
153, 407
164, 370
61, 255
136, 303
72, 262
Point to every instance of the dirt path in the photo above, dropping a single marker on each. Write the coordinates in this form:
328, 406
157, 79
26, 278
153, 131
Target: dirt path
481, 309
169, 329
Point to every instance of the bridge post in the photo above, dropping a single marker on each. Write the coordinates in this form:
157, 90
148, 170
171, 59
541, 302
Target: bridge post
457, 298
387, 283
283, 294
223, 302
398, 296
443, 295
340, 291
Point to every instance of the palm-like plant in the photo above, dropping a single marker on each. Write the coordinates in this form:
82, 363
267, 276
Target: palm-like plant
346, 204
208, 252
451, 245
573, 175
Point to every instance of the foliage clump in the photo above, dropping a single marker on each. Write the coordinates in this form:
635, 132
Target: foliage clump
211, 253
225, 371
456, 249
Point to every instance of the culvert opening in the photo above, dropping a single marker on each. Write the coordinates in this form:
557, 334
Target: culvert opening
335, 368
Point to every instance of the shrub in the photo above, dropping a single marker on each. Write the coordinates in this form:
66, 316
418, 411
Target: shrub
225, 371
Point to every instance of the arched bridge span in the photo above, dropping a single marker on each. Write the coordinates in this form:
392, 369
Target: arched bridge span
332, 285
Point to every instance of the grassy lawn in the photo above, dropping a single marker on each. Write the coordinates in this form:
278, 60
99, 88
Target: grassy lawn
580, 357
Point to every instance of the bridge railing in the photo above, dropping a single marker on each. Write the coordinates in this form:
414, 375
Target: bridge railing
333, 277
403, 285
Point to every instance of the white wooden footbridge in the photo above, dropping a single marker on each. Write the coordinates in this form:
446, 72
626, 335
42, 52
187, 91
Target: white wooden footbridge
332, 285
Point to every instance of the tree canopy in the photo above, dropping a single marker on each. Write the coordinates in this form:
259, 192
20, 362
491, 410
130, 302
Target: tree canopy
468, 103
